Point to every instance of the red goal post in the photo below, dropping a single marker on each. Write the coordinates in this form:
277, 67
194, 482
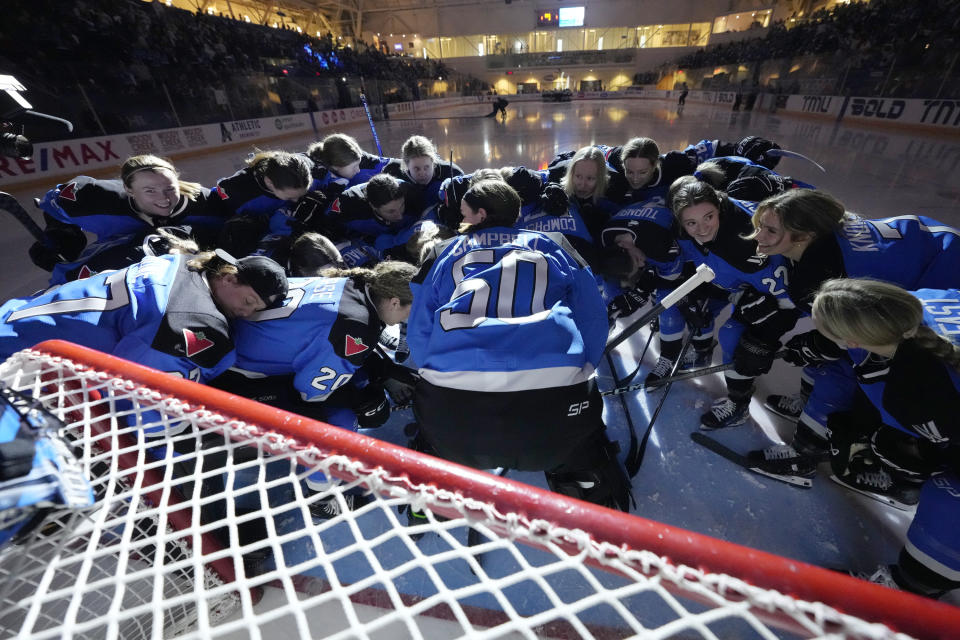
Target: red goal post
144, 562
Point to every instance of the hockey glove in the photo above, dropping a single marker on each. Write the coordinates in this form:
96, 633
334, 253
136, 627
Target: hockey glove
527, 184
554, 200
310, 208
811, 349
400, 384
694, 312
754, 307
625, 304
61, 243
754, 356
451, 193
755, 148
372, 408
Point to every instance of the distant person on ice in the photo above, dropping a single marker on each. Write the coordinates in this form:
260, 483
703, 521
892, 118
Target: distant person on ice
500, 104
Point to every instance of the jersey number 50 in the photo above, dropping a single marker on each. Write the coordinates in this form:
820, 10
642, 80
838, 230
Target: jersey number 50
507, 306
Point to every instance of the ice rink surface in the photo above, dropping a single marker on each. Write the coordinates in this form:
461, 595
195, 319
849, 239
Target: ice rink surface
873, 171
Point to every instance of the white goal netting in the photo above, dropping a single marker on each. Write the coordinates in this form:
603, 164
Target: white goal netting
207, 530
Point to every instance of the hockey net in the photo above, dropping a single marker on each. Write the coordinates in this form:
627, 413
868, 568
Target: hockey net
204, 530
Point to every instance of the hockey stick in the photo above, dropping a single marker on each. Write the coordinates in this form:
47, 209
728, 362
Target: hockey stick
633, 374
366, 108
696, 373
634, 461
702, 275
634, 441
784, 153
10, 204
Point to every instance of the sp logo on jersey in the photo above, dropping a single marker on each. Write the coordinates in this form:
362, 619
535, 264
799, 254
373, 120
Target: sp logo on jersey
354, 346
196, 342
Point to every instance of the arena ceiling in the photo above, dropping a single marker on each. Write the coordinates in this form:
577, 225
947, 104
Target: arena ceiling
340, 17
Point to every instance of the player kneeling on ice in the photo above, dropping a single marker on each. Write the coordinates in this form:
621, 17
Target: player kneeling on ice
508, 327
903, 363
168, 312
313, 355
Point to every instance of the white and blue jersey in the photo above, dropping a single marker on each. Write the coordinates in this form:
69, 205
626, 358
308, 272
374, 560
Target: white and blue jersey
502, 309
323, 333
156, 313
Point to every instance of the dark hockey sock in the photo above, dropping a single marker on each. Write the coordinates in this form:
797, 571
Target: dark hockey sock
670, 349
808, 442
703, 344
740, 390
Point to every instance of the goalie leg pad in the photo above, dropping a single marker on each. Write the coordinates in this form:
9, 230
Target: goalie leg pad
597, 475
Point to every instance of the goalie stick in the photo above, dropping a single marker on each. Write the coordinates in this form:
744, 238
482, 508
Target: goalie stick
743, 461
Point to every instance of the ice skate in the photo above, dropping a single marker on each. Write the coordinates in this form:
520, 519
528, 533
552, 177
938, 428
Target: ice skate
660, 370
867, 475
697, 358
789, 407
725, 413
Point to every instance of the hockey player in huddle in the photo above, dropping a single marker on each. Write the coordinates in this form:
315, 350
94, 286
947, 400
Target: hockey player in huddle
148, 195
421, 167
640, 253
744, 179
638, 172
585, 182
375, 211
508, 328
892, 400
269, 188
544, 206
171, 312
712, 230
306, 356
821, 240
339, 163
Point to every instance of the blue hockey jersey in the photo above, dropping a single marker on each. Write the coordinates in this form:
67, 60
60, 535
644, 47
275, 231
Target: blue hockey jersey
913, 252
323, 333
918, 393
503, 309
156, 313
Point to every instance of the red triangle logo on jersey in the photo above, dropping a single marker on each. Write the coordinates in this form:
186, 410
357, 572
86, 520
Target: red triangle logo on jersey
69, 192
335, 207
196, 342
84, 272
354, 346
223, 194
